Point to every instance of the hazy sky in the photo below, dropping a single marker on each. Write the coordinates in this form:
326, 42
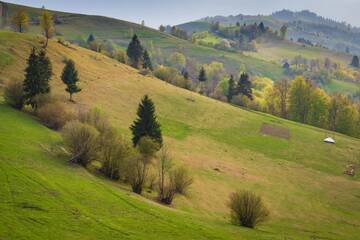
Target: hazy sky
156, 12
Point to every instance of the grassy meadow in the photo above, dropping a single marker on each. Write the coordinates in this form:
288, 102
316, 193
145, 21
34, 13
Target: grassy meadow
300, 179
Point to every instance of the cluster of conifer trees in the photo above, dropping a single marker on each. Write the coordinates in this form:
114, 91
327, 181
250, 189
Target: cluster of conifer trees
38, 75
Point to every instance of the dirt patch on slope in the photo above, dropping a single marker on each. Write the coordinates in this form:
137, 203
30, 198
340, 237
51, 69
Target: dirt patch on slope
275, 131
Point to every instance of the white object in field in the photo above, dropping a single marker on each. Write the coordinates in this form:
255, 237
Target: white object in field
329, 140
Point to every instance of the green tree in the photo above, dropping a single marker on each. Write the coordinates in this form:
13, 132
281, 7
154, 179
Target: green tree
70, 78
202, 75
355, 62
319, 108
283, 32
146, 124
262, 27
300, 98
244, 86
282, 88
47, 25
231, 89
37, 76
45, 70
135, 51
147, 61
342, 115
90, 39
177, 60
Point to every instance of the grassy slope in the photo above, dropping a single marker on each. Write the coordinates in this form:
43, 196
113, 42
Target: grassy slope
301, 179
80, 26
266, 62
42, 197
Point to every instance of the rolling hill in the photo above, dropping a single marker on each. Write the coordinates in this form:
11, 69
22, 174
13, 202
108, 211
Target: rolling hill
77, 27
332, 34
266, 62
300, 178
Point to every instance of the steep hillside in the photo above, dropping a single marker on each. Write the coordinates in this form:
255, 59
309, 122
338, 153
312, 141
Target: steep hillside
300, 178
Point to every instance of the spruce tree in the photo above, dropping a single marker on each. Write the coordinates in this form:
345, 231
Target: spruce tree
355, 62
90, 39
70, 78
147, 61
244, 86
262, 27
37, 76
202, 75
31, 76
45, 71
185, 74
146, 124
231, 89
135, 51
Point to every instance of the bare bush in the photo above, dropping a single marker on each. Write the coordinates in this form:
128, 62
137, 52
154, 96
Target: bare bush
139, 165
54, 115
43, 99
95, 118
113, 154
171, 181
181, 179
81, 140
14, 94
247, 209
166, 192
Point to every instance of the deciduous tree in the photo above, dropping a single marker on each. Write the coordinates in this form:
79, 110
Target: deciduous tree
20, 21
47, 25
299, 101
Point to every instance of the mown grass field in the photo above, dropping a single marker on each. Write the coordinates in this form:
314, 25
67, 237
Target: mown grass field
301, 179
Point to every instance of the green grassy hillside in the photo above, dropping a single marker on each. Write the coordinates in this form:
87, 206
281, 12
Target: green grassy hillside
77, 27
301, 178
266, 62
43, 197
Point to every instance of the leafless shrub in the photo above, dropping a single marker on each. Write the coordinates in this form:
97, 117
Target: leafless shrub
113, 154
81, 140
139, 165
247, 209
95, 118
171, 181
14, 94
54, 115
181, 179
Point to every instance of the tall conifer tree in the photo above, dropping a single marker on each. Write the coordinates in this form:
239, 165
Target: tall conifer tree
147, 61
135, 51
231, 89
70, 78
244, 86
202, 75
355, 62
37, 76
146, 124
